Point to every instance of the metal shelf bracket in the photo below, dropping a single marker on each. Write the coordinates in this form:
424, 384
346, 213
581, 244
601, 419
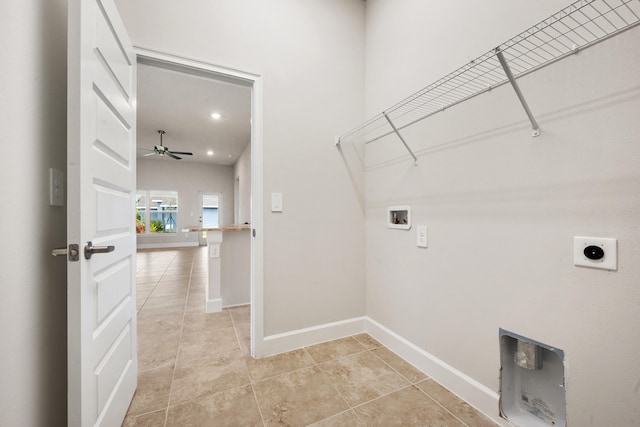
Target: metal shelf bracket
415, 159
507, 71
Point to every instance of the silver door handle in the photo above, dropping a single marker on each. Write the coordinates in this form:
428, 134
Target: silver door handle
90, 250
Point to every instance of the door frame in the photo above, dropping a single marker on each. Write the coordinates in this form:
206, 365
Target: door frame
253, 81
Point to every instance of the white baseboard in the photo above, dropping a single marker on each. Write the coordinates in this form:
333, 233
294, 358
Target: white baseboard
166, 245
214, 305
477, 395
280, 343
242, 304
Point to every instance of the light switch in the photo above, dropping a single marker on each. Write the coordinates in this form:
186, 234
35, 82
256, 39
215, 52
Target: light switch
276, 202
422, 237
56, 187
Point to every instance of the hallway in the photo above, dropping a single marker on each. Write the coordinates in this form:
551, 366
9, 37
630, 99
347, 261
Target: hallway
195, 368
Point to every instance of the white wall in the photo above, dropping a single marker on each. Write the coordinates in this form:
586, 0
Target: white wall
502, 208
235, 268
242, 175
33, 363
310, 56
189, 179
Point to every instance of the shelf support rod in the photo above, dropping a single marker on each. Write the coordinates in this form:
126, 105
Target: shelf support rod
415, 159
507, 70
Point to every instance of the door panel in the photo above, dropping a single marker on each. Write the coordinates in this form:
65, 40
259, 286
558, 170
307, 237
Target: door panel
112, 134
101, 199
112, 370
113, 290
114, 215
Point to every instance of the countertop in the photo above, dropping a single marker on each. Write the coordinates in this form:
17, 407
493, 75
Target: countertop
223, 228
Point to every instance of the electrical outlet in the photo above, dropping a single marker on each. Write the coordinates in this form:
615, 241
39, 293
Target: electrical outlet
214, 251
595, 252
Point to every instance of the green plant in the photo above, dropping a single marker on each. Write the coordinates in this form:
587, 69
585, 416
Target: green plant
140, 228
156, 226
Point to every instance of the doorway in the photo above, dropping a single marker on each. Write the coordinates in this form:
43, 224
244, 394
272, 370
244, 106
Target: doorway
226, 156
210, 211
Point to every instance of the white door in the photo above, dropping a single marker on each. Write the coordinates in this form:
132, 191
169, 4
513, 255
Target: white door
102, 359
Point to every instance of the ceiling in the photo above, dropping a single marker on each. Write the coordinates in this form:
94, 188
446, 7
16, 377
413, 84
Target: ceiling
181, 104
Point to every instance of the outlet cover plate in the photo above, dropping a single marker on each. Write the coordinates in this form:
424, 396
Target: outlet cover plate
608, 245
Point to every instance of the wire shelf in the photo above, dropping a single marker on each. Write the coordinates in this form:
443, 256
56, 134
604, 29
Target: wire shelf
575, 27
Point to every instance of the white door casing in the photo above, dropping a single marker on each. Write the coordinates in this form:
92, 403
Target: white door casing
255, 81
102, 357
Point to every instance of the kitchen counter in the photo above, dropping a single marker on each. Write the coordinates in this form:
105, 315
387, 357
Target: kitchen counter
229, 266
223, 228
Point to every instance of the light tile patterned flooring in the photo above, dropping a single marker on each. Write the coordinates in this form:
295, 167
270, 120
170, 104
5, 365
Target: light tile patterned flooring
195, 368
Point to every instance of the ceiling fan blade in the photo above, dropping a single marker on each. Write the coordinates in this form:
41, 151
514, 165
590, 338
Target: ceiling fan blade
172, 156
149, 154
184, 153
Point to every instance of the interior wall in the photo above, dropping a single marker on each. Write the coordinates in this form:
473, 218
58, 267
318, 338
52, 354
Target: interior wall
502, 207
33, 295
242, 173
310, 55
189, 179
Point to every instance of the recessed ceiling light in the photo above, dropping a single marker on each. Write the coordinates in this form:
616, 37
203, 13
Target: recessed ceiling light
215, 116
210, 153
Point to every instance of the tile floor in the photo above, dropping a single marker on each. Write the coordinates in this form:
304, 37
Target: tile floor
195, 368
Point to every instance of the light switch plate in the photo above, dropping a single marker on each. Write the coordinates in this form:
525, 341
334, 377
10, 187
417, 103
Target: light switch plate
276, 202
56, 187
610, 247
422, 237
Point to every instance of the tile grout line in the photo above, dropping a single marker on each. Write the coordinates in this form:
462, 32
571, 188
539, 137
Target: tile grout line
334, 387
411, 383
175, 362
255, 396
244, 360
157, 282
235, 331
137, 315
439, 404
371, 351
395, 370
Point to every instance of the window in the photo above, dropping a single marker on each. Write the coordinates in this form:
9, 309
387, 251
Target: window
141, 212
156, 211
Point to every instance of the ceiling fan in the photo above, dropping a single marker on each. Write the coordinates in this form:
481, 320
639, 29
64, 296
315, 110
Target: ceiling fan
161, 150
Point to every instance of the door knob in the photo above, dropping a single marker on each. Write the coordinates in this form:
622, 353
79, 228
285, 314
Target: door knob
90, 250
